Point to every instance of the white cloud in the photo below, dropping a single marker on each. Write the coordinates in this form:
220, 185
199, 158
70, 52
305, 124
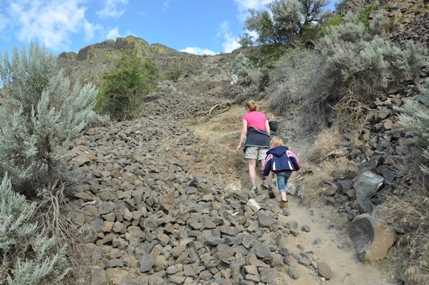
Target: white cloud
49, 22
113, 34
244, 6
198, 51
252, 4
111, 9
230, 42
3, 22
90, 29
166, 5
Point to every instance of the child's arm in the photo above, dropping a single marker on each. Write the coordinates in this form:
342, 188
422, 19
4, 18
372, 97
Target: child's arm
294, 159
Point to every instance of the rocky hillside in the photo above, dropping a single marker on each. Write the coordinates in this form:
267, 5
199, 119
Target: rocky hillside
163, 199
407, 19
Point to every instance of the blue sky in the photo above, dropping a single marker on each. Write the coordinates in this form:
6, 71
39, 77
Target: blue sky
195, 26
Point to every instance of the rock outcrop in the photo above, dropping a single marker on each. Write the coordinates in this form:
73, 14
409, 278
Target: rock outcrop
372, 237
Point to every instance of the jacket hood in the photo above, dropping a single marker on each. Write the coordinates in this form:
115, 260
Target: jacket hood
278, 150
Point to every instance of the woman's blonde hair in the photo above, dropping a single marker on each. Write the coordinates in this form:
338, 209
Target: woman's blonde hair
276, 141
251, 105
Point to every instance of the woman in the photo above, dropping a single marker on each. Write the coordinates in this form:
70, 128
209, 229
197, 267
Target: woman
256, 129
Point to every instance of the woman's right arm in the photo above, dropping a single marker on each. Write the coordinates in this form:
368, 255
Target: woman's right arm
267, 166
242, 135
267, 127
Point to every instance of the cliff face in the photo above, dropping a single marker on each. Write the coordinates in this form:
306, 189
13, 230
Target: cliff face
91, 61
199, 74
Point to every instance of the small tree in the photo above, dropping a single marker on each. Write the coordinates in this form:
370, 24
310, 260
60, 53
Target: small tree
124, 88
286, 23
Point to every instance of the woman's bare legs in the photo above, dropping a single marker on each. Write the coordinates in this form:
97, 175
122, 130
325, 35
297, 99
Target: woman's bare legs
269, 178
252, 171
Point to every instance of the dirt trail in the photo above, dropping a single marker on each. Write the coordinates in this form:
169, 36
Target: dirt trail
323, 242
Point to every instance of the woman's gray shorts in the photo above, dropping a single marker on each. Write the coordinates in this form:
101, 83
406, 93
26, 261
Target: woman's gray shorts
255, 152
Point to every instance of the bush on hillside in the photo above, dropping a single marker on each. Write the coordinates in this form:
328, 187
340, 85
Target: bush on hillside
254, 78
333, 21
352, 65
41, 114
125, 86
296, 76
265, 55
174, 73
27, 257
366, 12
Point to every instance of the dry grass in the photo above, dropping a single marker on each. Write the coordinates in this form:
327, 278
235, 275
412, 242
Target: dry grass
327, 140
350, 112
410, 214
315, 176
326, 164
50, 215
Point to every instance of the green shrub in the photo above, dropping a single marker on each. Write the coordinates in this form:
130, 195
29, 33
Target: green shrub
27, 257
266, 55
333, 21
174, 73
166, 88
41, 114
252, 74
125, 87
389, 27
366, 12
351, 66
296, 76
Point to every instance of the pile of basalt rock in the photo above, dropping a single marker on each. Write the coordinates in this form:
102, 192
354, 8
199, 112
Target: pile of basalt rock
146, 218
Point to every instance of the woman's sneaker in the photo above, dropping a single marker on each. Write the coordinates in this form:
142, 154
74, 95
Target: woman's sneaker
271, 192
254, 190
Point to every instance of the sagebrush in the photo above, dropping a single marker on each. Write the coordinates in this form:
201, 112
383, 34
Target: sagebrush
27, 256
41, 114
350, 64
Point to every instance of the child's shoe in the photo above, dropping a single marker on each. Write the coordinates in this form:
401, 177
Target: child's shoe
271, 193
283, 204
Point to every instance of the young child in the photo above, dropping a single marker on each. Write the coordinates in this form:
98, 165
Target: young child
281, 161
